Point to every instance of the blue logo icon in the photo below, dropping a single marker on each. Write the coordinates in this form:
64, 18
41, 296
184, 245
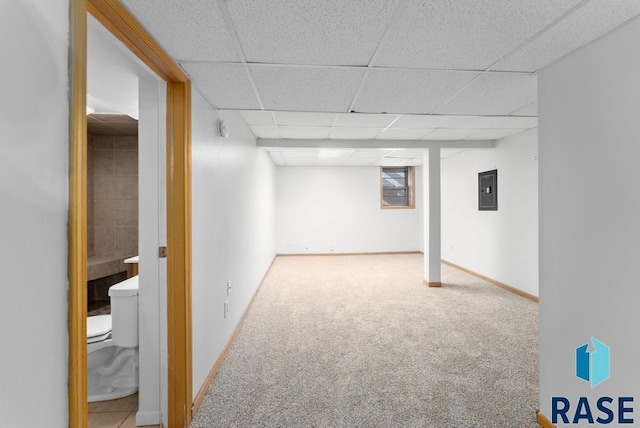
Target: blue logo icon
593, 366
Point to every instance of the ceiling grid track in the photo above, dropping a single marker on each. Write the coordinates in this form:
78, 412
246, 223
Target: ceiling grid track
351, 67
402, 6
226, 16
455, 94
396, 70
534, 37
511, 52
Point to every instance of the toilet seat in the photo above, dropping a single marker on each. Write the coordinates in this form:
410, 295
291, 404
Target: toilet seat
98, 328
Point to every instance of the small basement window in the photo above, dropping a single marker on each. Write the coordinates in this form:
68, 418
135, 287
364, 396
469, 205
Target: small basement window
397, 187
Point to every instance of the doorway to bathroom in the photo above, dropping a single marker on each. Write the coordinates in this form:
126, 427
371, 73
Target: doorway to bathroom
124, 172
164, 112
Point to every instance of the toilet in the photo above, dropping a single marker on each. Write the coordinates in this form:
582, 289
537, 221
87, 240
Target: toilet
112, 344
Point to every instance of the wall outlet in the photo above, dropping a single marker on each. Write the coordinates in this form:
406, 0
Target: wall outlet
228, 288
226, 308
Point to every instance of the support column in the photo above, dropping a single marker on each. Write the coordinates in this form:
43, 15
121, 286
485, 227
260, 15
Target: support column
431, 201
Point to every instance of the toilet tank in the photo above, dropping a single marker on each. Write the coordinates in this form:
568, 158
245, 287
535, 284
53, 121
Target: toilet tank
124, 313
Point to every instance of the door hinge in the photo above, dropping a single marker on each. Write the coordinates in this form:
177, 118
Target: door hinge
162, 252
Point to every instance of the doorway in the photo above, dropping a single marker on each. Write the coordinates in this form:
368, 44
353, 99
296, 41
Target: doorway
175, 137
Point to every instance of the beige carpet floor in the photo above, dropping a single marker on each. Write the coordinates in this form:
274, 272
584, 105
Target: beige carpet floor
359, 341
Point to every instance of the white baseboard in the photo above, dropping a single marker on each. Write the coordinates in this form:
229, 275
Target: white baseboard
148, 418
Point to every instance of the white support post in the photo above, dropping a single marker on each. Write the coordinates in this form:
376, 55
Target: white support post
432, 221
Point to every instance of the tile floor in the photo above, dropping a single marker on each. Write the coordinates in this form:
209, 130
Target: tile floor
119, 413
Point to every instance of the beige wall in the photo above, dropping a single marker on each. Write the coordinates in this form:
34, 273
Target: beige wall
113, 196
113, 203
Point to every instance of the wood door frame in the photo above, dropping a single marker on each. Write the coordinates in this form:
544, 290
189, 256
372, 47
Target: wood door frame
117, 19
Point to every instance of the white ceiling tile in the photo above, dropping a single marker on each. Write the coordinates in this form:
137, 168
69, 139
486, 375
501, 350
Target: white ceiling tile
357, 162
587, 23
399, 162
304, 118
369, 154
299, 153
327, 154
450, 134
304, 132
423, 121
491, 122
445, 153
403, 155
408, 91
357, 120
352, 157
301, 163
253, 117
403, 134
333, 32
193, 30
306, 88
330, 162
493, 94
354, 133
528, 110
465, 34
390, 162
225, 85
482, 122
519, 122
493, 134
265, 131
407, 154
310, 157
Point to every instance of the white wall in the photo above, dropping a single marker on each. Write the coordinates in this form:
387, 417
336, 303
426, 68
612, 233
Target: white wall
589, 215
233, 228
325, 209
503, 244
34, 201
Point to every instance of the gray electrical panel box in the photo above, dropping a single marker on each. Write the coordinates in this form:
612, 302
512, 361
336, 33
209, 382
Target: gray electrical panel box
488, 190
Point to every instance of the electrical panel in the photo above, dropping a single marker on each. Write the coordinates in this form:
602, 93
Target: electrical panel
488, 190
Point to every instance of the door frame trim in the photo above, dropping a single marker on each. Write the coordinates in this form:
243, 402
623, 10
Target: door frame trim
119, 21
77, 228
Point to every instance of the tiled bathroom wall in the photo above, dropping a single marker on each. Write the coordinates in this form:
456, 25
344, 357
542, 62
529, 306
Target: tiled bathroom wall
113, 196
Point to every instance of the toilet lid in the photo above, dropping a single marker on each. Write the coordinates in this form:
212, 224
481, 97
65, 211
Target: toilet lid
98, 327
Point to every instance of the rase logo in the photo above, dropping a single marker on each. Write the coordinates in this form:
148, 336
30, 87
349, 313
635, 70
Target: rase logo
592, 366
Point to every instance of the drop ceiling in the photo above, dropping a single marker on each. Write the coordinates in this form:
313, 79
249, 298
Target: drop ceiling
111, 124
376, 69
